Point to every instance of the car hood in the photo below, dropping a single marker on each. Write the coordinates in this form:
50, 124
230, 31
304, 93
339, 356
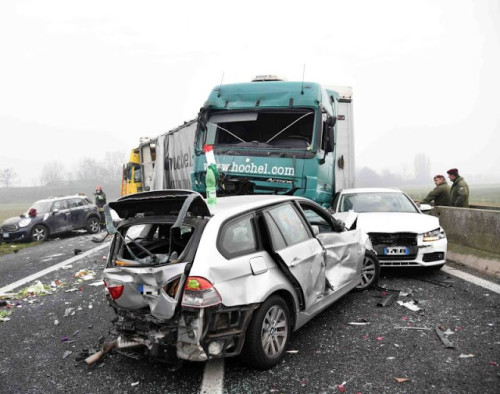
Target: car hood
13, 220
394, 222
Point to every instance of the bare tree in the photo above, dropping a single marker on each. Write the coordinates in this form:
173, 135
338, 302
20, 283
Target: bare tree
112, 166
7, 176
88, 170
52, 173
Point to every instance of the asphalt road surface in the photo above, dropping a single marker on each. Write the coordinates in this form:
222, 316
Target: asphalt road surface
41, 347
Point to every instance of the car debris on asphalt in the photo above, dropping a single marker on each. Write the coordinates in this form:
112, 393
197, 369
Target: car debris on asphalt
442, 336
411, 305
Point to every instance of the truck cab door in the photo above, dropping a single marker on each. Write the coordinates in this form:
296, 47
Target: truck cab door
300, 255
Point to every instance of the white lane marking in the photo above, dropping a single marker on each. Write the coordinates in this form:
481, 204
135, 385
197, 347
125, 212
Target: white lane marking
213, 377
472, 279
22, 282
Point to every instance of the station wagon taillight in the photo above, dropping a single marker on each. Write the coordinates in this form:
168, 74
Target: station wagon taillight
200, 293
114, 291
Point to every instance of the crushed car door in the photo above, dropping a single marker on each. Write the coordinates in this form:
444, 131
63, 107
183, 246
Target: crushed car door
344, 256
344, 249
300, 254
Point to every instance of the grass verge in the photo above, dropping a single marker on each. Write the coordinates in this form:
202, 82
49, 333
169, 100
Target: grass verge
6, 248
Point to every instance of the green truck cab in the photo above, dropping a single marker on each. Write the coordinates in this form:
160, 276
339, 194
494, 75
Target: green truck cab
277, 137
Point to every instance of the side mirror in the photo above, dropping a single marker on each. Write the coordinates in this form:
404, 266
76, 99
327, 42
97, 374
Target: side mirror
315, 229
54, 211
203, 118
331, 121
425, 207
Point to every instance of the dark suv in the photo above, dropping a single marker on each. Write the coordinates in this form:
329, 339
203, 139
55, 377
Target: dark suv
50, 217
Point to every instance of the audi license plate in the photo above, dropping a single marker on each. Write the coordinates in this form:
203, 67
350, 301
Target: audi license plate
6, 235
396, 251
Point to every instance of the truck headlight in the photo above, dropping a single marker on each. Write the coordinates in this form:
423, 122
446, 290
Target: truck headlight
434, 235
24, 222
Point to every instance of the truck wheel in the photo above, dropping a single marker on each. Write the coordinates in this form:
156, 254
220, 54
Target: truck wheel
93, 225
268, 334
370, 271
39, 233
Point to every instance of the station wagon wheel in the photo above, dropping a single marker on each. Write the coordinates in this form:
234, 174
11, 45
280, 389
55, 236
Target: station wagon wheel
93, 225
370, 271
268, 334
39, 233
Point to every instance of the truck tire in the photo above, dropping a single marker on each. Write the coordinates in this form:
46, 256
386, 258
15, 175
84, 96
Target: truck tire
370, 271
39, 233
267, 334
93, 225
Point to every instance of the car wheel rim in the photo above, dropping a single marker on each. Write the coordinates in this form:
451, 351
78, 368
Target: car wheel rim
274, 331
39, 234
368, 271
94, 225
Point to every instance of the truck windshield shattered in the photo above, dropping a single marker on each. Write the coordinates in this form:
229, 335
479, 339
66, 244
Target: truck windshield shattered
265, 129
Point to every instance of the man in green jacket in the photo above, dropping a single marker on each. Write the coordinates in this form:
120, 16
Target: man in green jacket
459, 193
441, 193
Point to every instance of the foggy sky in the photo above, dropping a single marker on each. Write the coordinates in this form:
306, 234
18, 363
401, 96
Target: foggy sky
78, 79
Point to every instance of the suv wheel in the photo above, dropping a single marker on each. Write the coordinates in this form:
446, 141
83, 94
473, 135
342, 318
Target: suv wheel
93, 225
268, 334
39, 233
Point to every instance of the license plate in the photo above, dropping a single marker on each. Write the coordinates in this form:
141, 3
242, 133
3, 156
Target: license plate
396, 251
148, 290
6, 235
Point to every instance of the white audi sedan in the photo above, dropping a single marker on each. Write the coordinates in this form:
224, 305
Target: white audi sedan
401, 234
190, 284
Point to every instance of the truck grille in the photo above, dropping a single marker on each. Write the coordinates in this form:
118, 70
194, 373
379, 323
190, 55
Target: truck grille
9, 228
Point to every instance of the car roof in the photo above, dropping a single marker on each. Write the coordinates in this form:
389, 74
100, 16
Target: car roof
228, 206
48, 199
371, 190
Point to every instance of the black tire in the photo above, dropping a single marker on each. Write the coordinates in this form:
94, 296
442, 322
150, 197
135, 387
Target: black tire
93, 225
267, 334
371, 271
39, 233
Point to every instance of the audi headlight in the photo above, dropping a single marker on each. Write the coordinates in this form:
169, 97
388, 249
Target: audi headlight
24, 222
434, 235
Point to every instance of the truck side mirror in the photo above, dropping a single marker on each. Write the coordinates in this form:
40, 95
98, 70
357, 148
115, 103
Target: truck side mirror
331, 121
203, 118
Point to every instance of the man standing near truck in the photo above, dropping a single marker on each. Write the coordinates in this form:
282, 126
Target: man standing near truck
100, 201
459, 193
441, 193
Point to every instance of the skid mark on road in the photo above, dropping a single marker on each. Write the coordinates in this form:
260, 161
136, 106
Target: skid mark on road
22, 282
472, 279
213, 377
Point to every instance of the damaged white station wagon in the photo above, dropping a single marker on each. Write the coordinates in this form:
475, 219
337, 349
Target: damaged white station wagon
190, 285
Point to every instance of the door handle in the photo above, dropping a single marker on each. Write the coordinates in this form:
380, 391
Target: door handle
294, 261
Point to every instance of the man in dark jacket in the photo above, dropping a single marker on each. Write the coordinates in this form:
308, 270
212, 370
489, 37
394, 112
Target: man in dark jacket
100, 201
441, 193
459, 193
